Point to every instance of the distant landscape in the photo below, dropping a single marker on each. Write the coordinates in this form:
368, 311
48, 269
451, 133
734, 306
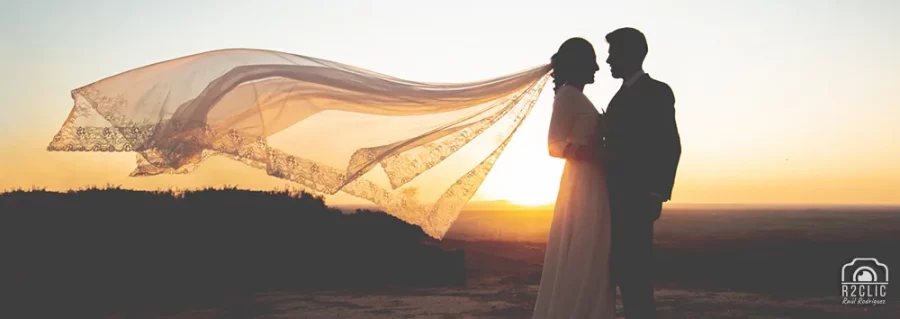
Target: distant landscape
232, 253
712, 258
104, 250
784, 252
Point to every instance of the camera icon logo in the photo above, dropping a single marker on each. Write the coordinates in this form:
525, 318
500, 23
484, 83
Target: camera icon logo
864, 271
864, 282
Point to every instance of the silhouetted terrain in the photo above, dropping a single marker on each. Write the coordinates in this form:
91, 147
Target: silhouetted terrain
714, 262
238, 254
108, 250
792, 257
783, 252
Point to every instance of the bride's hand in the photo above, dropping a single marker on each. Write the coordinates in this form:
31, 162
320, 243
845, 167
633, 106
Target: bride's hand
590, 153
585, 153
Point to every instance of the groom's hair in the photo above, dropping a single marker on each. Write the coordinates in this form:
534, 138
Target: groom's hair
630, 40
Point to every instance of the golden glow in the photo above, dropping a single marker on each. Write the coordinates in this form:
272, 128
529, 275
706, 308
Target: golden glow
526, 174
764, 118
539, 200
531, 197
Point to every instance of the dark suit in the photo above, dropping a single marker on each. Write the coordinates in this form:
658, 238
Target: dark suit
644, 148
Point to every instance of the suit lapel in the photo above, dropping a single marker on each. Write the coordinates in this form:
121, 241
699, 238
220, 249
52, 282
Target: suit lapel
626, 96
615, 101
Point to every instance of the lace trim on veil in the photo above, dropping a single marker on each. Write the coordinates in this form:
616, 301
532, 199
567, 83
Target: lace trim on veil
177, 145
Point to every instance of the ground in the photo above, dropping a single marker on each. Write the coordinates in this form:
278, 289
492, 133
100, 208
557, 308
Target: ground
720, 264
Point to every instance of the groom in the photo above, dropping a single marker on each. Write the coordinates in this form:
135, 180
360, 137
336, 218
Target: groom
644, 148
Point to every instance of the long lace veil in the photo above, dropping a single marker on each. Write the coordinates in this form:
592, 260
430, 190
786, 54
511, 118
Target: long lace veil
417, 150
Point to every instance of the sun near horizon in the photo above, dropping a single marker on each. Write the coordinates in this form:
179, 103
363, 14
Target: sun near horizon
784, 111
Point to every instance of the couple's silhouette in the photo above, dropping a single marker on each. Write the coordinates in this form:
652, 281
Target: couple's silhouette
620, 168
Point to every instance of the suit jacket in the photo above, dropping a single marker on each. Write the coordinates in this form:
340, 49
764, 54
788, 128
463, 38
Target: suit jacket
642, 139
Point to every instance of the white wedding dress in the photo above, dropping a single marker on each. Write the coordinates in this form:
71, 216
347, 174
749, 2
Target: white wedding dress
575, 281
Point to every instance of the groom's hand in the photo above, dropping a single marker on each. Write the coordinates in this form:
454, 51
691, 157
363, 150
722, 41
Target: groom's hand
591, 154
585, 153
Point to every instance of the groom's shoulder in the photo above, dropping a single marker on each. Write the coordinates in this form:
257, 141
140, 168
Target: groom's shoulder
659, 89
657, 85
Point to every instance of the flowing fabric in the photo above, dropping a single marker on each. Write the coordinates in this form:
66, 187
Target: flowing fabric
575, 280
417, 150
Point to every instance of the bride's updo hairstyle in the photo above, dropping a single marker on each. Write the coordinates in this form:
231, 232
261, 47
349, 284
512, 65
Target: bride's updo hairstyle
574, 63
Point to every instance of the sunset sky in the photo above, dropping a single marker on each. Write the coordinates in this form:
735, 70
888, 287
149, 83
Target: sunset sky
777, 101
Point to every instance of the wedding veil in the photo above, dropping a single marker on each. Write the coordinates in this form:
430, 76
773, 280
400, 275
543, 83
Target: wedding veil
417, 150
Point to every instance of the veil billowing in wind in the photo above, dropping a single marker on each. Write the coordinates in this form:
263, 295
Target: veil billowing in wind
417, 150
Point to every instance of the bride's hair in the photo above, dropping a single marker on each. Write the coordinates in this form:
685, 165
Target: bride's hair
570, 62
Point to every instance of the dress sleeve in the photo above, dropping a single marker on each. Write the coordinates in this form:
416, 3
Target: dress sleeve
560, 124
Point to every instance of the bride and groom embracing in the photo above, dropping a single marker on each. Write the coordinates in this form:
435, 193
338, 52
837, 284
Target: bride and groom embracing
620, 168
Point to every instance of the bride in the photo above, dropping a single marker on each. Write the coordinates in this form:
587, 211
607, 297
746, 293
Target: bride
575, 280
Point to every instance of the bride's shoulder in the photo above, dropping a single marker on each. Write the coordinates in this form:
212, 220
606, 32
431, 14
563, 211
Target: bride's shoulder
566, 93
565, 89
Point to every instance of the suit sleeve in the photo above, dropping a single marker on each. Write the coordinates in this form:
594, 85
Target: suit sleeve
664, 142
560, 125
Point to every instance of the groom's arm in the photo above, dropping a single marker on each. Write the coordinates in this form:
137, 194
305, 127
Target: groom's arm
663, 142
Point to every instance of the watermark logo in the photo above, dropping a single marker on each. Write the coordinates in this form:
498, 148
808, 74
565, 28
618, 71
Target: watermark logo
864, 281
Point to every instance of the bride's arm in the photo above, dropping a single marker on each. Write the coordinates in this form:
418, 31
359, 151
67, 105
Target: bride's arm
561, 122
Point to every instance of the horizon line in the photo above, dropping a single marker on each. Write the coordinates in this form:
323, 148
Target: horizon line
494, 201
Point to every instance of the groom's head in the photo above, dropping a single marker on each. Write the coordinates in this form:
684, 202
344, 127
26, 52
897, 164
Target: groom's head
627, 49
